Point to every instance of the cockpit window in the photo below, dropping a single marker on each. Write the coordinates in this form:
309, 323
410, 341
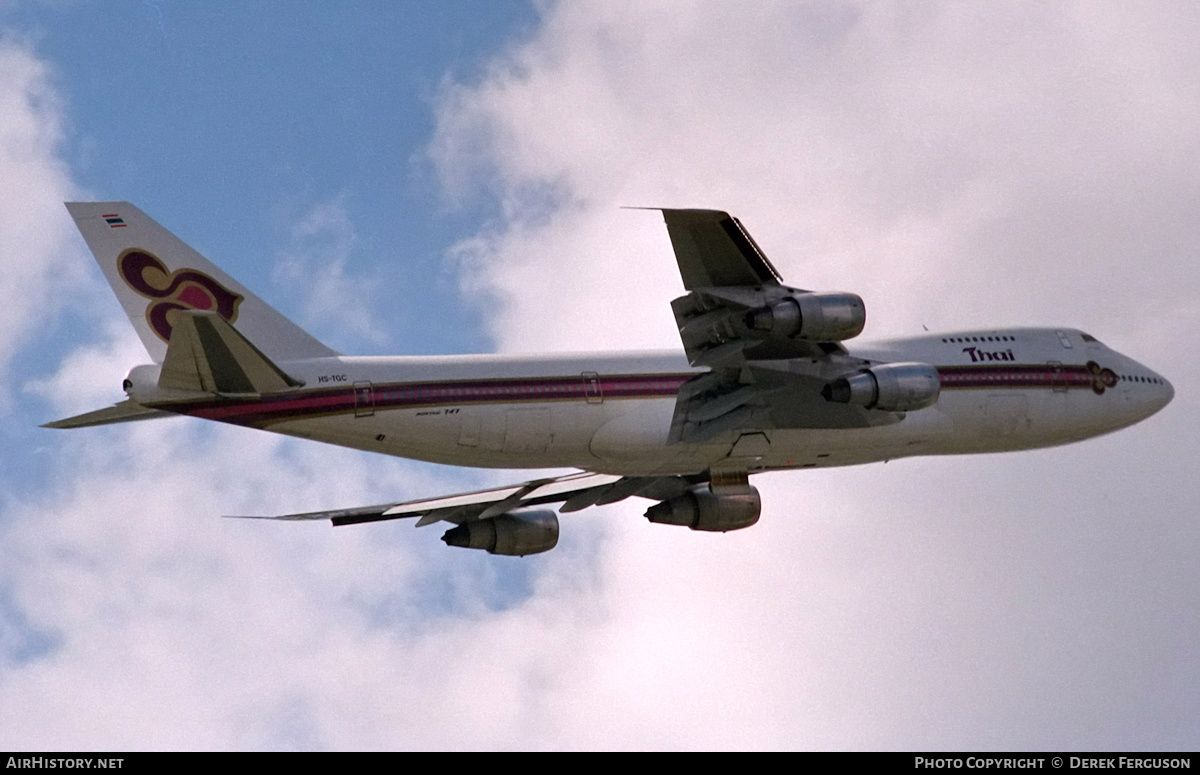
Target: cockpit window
1090, 338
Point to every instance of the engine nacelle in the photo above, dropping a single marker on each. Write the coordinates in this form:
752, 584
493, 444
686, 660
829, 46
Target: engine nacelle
515, 534
892, 387
821, 317
700, 509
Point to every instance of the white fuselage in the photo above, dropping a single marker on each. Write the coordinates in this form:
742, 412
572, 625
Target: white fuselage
612, 412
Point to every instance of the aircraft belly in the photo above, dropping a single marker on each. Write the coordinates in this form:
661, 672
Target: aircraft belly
923, 432
986, 421
1005, 420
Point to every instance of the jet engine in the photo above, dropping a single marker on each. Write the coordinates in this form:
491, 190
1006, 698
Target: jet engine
701, 509
821, 317
892, 387
515, 534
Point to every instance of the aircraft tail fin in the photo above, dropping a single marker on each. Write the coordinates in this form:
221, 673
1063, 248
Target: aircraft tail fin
156, 276
207, 354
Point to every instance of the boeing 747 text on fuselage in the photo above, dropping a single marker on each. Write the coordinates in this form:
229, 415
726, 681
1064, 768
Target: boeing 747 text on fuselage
764, 382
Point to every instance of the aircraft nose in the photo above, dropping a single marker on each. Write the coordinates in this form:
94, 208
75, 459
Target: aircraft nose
1161, 395
1168, 392
1146, 392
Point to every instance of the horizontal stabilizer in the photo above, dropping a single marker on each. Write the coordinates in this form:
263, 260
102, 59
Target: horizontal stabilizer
126, 411
207, 354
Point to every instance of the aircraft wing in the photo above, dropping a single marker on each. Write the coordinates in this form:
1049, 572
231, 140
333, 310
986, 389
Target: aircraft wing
575, 491
770, 348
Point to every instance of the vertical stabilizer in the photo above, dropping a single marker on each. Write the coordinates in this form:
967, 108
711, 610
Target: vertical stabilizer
156, 276
207, 354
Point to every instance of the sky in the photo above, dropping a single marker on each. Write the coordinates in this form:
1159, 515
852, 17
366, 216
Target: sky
416, 178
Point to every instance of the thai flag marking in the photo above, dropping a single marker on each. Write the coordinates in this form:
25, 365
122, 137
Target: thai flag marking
114, 221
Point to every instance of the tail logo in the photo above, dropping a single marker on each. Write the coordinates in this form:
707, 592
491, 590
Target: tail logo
170, 292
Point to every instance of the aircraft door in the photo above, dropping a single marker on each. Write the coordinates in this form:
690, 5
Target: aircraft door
591, 387
1057, 379
1053, 410
364, 399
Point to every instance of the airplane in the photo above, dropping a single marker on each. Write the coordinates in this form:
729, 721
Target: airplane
764, 382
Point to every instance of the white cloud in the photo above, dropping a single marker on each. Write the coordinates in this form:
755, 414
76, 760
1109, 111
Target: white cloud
40, 275
167, 627
91, 377
961, 151
322, 243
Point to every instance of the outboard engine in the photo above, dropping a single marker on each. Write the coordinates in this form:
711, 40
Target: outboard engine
818, 317
515, 534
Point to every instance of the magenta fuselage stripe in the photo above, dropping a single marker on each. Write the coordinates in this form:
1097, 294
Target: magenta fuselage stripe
407, 395
383, 396
1040, 376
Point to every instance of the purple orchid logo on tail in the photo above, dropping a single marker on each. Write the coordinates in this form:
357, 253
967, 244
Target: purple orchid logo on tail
173, 291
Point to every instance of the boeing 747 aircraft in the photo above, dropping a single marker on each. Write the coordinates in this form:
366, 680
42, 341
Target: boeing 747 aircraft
764, 382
